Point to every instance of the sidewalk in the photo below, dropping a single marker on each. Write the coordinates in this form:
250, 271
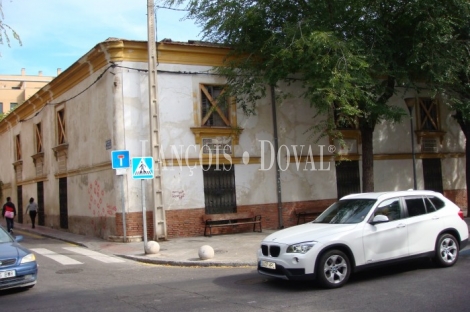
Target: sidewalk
233, 250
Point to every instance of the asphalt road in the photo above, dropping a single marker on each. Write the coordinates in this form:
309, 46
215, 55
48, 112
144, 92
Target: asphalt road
125, 285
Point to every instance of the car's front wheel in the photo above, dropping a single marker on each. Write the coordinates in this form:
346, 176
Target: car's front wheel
333, 269
447, 250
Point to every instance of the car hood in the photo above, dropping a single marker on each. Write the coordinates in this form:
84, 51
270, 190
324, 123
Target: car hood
308, 232
12, 250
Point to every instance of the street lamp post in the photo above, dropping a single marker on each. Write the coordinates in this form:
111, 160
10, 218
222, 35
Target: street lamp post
410, 103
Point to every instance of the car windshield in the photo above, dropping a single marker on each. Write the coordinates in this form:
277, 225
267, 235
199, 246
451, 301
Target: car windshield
346, 211
4, 237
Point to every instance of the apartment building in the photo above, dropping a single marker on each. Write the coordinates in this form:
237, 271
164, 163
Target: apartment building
16, 89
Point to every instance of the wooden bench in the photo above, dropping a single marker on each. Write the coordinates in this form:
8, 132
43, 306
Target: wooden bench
230, 219
307, 215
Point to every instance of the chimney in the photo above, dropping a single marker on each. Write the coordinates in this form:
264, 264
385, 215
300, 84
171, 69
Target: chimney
40, 73
59, 71
23, 72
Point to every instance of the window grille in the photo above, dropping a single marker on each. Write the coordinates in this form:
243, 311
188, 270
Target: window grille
429, 145
219, 189
432, 174
347, 177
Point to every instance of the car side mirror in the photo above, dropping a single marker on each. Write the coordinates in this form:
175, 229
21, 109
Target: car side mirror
379, 219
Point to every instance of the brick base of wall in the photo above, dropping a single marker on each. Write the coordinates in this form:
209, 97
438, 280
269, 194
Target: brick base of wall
188, 222
134, 224
459, 197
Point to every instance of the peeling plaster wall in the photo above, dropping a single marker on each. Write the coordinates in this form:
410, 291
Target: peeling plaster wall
454, 139
388, 178
304, 185
136, 132
254, 186
302, 181
183, 188
94, 209
453, 173
394, 138
90, 186
89, 124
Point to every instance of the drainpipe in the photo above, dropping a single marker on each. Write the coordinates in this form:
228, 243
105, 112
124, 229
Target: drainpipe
276, 152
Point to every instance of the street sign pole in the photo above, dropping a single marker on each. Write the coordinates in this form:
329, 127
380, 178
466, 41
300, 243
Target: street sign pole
123, 211
144, 213
143, 169
120, 161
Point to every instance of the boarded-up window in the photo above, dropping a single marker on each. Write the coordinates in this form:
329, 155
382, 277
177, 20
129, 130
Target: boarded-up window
428, 115
61, 135
38, 133
215, 108
18, 147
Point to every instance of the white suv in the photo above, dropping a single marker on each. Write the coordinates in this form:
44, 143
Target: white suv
364, 230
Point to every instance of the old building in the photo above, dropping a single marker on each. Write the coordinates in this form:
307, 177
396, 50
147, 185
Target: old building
209, 157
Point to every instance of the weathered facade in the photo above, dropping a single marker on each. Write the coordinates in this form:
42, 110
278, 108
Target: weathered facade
57, 146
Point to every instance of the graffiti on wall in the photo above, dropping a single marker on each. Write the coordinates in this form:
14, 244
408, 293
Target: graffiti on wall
177, 194
98, 208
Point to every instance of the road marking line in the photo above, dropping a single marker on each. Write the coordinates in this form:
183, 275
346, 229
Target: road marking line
28, 234
55, 256
94, 255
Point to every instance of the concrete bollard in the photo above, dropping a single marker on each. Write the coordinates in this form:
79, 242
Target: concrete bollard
152, 247
206, 252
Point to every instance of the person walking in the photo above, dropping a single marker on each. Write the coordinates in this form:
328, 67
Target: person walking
9, 213
33, 210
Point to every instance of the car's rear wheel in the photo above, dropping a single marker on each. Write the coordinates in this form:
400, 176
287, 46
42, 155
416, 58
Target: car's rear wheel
333, 269
447, 250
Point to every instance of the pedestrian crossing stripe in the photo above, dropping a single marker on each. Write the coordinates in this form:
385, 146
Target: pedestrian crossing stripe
94, 255
55, 256
66, 260
142, 168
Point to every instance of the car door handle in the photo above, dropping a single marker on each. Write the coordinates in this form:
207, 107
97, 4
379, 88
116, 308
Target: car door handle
401, 225
435, 218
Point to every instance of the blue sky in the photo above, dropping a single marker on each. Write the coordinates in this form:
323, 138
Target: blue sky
56, 33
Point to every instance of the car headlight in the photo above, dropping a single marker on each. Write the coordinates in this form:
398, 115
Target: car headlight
28, 258
300, 247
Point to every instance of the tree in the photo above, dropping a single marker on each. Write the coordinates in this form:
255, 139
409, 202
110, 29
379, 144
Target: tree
5, 29
350, 56
450, 69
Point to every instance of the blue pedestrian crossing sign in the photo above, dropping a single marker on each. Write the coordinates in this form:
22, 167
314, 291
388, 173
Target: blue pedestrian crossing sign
120, 159
142, 168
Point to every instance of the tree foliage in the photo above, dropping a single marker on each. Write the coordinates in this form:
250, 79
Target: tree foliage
349, 55
5, 29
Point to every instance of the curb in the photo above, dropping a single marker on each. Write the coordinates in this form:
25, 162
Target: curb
54, 237
195, 263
